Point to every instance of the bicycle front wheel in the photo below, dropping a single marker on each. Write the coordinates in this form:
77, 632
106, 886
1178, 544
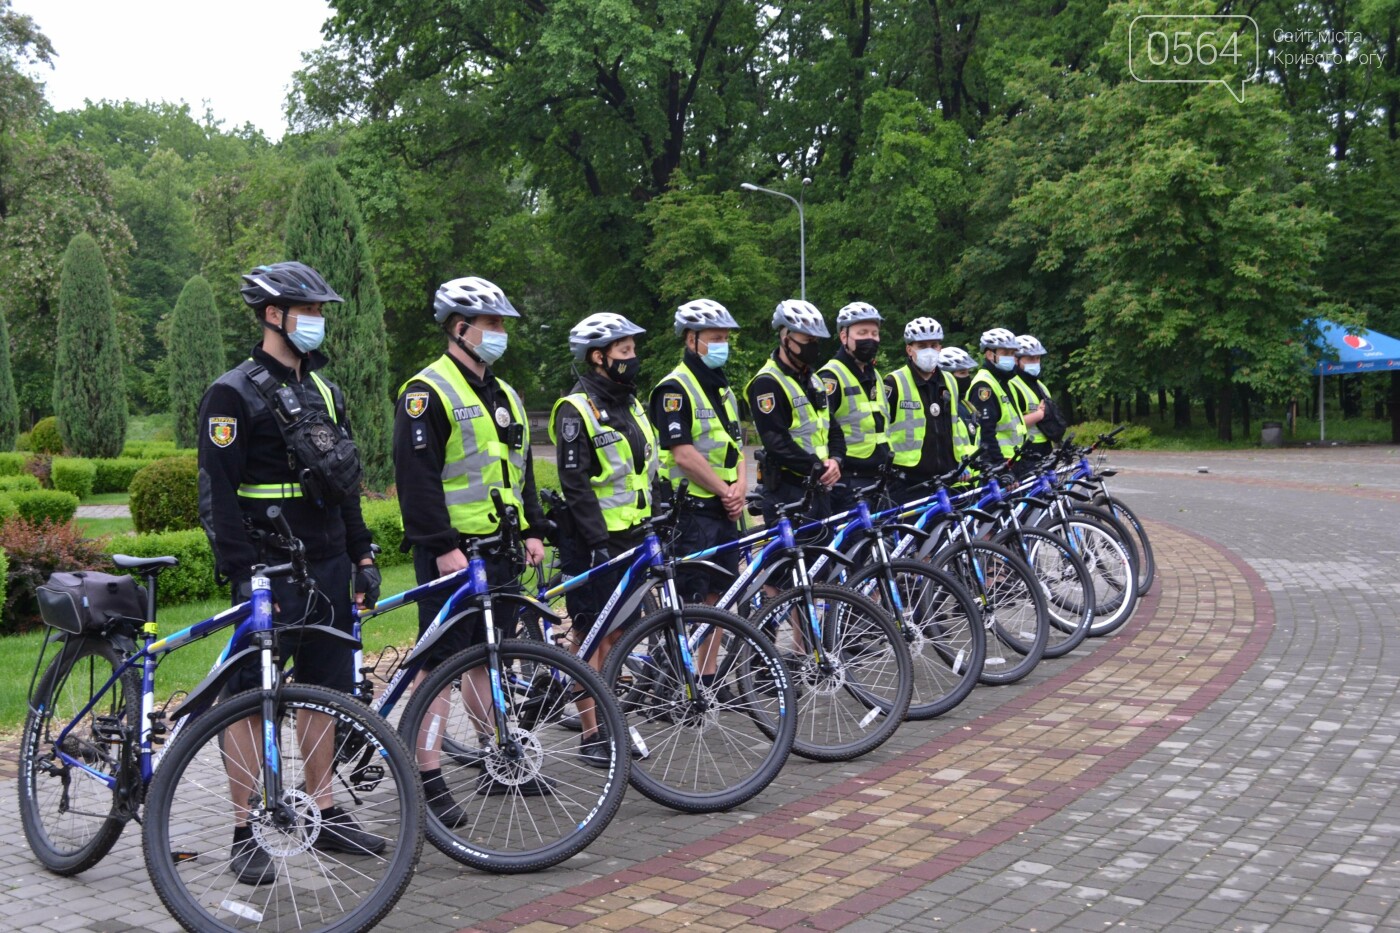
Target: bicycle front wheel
714, 730
297, 866
1013, 606
1065, 580
853, 691
540, 792
1146, 560
70, 811
940, 623
1111, 568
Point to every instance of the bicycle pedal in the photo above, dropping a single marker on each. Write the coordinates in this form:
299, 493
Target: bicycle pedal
109, 729
366, 778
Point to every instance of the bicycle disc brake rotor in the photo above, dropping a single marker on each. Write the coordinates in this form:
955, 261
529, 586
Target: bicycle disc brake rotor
285, 843
516, 771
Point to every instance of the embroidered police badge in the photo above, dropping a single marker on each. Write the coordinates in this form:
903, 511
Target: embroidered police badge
830, 385
766, 403
415, 403
671, 401
570, 428
222, 431
983, 393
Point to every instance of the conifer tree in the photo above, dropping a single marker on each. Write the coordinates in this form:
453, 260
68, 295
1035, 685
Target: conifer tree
9, 404
89, 393
196, 356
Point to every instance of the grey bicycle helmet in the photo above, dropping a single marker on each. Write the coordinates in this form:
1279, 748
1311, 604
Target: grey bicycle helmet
922, 328
1029, 346
598, 330
285, 285
469, 297
801, 317
855, 312
953, 359
998, 338
703, 313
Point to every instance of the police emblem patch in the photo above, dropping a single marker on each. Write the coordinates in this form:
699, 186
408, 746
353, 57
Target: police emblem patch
570, 428
502, 417
222, 431
415, 403
983, 393
766, 403
934, 409
671, 401
830, 385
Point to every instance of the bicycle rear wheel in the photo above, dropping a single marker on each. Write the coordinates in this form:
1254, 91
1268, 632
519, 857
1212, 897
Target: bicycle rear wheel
853, 697
704, 752
1110, 567
940, 623
1068, 587
535, 797
1012, 603
1147, 561
69, 813
340, 870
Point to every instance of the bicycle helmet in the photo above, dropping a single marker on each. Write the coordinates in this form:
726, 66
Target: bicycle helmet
998, 338
469, 297
1029, 346
953, 359
855, 312
285, 285
801, 317
598, 330
703, 313
922, 328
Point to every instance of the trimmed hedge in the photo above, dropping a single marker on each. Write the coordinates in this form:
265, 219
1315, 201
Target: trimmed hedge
21, 483
39, 505
193, 579
386, 524
116, 474
1134, 435
165, 495
156, 450
75, 475
45, 439
7, 507
12, 464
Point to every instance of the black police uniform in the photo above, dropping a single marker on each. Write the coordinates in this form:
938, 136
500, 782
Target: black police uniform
786, 466
855, 471
936, 455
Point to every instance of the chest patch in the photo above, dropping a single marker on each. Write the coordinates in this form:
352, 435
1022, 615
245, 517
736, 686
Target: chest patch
502, 417
468, 413
606, 438
705, 413
222, 431
935, 409
415, 403
911, 405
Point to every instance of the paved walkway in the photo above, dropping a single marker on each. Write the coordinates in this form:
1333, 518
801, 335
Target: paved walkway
1227, 761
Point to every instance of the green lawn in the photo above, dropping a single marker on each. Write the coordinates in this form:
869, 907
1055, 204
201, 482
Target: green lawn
97, 527
186, 667
107, 498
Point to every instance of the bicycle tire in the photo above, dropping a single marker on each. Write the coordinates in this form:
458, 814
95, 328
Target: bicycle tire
69, 838
1068, 587
188, 811
1119, 530
1110, 567
517, 820
865, 693
1147, 561
706, 754
1012, 603
942, 626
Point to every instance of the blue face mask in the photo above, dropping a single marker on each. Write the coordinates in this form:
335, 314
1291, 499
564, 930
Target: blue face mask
717, 355
493, 346
1032, 369
1006, 363
309, 333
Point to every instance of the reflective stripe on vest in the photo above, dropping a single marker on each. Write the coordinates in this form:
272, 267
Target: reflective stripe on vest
618, 485
475, 460
808, 432
1011, 430
964, 424
908, 420
707, 432
1027, 399
289, 490
856, 411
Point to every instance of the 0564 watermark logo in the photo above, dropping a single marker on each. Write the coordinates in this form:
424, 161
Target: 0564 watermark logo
1172, 48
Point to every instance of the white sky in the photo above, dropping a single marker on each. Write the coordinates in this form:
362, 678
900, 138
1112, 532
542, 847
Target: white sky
238, 55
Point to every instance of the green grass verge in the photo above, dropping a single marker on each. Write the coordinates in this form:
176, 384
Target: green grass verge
97, 527
107, 498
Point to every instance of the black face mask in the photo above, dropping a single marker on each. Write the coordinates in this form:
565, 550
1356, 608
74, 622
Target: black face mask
808, 354
963, 383
865, 350
623, 371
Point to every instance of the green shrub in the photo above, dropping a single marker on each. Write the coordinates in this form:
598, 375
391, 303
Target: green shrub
193, 579
34, 550
22, 441
7, 507
44, 438
1133, 436
115, 474
75, 475
45, 505
12, 464
156, 450
20, 483
165, 495
386, 524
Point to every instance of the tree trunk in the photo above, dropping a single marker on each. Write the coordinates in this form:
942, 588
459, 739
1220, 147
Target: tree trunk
1395, 407
1144, 405
1225, 411
1181, 409
1350, 389
1210, 409
1117, 410
1244, 409
1162, 404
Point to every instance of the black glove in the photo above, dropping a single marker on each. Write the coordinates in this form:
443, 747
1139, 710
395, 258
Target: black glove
242, 591
368, 581
599, 555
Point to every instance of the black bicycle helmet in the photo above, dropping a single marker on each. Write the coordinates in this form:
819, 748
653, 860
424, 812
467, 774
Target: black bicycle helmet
285, 285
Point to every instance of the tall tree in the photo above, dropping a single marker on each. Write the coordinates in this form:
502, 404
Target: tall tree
196, 356
89, 397
325, 231
9, 405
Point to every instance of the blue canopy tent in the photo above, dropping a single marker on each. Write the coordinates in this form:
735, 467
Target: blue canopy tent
1365, 352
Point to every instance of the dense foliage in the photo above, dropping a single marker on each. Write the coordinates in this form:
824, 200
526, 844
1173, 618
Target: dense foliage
165, 495
196, 356
88, 395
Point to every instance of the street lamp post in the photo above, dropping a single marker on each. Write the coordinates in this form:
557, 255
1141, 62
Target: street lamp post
801, 226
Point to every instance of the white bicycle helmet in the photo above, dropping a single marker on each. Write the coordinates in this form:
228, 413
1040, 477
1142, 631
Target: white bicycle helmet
953, 359
922, 328
469, 297
855, 312
1029, 346
598, 330
998, 338
801, 317
703, 313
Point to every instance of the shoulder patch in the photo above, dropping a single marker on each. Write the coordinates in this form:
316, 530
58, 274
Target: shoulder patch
984, 393
222, 430
415, 403
830, 385
569, 428
766, 403
671, 401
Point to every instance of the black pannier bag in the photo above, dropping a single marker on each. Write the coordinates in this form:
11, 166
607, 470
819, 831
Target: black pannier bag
86, 600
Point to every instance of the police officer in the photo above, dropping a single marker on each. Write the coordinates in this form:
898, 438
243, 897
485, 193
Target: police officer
460, 432
955, 362
1038, 411
788, 405
1000, 429
856, 401
696, 416
245, 467
607, 456
921, 401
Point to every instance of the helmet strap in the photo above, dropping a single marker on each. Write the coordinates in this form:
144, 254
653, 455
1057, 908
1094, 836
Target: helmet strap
282, 329
467, 348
